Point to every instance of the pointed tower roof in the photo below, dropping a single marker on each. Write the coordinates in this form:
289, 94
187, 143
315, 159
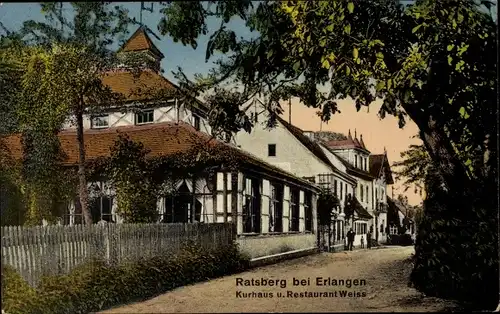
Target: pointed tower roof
350, 142
140, 41
361, 141
356, 141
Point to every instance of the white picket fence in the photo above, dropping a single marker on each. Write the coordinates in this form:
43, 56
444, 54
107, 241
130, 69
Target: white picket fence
51, 250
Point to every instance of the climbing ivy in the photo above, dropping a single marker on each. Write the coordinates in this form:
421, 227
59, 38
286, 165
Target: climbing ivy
132, 177
328, 203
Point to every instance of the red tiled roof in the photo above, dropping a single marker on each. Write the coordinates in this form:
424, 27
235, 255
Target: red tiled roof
143, 85
348, 143
140, 41
376, 164
162, 139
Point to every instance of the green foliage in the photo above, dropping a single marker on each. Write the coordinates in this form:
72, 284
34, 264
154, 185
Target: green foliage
60, 63
95, 25
422, 60
413, 167
328, 202
456, 252
132, 176
17, 294
96, 286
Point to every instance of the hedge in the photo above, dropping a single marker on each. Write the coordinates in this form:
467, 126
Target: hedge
456, 253
96, 286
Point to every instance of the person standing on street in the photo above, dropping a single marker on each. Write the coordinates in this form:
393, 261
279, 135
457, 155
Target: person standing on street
350, 239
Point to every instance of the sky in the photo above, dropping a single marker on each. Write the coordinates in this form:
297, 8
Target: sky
377, 133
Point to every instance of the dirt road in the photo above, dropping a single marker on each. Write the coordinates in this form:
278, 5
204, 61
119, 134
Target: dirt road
385, 272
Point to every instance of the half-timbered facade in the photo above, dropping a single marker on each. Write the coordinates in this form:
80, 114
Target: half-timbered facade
270, 207
149, 96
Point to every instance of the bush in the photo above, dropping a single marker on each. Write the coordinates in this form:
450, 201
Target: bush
17, 294
96, 286
400, 239
456, 254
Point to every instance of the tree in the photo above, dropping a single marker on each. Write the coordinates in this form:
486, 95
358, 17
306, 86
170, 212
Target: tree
132, 176
327, 203
69, 65
420, 59
413, 168
356, 47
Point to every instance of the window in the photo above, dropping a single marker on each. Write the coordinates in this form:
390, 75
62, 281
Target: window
361, 192
100, 208
276, 208
271, 150
367, 197
75, 216
360, 228
143, 117
99, 122
294, 208
251, 207
376, 194
341, 188
356, 161
196, 122
335, 187
178, 208
308, 210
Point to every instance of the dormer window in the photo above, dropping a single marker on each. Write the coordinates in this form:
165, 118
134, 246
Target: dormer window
99, 122
144, 117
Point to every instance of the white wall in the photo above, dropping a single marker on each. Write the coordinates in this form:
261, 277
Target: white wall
291, 155
274, 244
167, 113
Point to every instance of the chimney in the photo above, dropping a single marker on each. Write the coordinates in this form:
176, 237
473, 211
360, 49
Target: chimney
309, 134
355, 134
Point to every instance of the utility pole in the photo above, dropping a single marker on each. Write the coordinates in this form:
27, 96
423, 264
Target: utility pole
290, 110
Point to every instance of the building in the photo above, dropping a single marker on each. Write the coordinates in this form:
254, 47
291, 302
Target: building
397, 217
291, 149
149, 96
381, 170
372, 174
274, 211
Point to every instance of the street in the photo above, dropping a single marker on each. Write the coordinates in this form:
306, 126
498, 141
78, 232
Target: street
361, 280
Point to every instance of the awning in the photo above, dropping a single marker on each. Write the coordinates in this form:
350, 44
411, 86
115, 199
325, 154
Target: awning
360, 211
